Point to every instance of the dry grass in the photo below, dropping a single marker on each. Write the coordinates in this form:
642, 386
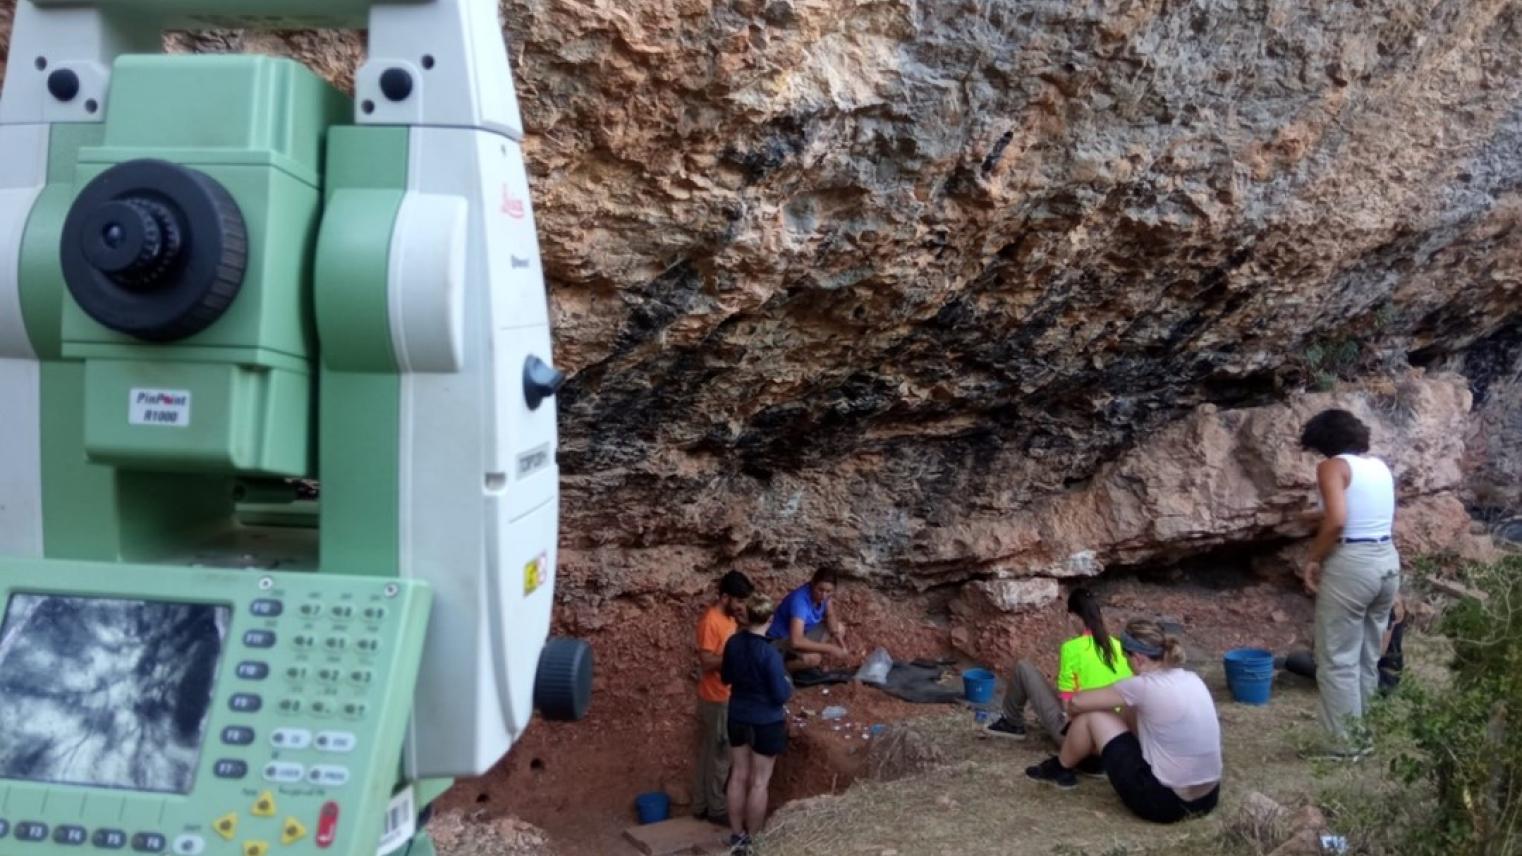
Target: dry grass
980, 801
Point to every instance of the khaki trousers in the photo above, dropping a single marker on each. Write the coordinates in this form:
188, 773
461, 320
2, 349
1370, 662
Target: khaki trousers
708, 796
1027, 684
1359, 583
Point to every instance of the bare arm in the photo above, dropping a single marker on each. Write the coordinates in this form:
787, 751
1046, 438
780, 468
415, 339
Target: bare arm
804, 644
1090, 700
709, 661
1332, 479
832, 621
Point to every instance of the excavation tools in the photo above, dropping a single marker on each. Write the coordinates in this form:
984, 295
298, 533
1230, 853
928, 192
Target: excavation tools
221, 279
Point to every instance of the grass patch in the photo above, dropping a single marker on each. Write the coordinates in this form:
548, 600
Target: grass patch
980, 801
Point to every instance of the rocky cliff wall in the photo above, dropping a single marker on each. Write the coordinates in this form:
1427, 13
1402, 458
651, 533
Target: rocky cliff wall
911, 286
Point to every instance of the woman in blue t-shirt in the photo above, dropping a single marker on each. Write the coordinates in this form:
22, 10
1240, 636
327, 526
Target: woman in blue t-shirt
806, 627
757, 721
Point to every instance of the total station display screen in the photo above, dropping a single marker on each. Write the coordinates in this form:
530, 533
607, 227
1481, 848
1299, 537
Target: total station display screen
107, 693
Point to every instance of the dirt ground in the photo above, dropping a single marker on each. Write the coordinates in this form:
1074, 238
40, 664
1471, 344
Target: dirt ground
578, 782
980, 802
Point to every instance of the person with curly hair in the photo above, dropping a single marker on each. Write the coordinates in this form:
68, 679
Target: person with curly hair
1353, 570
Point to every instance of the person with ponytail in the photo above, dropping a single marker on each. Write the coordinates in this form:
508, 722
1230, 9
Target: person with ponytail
759, 687
1162, 753
1090, 660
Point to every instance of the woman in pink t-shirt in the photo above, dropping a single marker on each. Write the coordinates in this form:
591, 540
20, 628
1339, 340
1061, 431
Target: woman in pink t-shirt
1162, 754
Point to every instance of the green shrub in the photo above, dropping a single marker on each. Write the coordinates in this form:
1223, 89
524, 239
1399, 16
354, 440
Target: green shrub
1458, 748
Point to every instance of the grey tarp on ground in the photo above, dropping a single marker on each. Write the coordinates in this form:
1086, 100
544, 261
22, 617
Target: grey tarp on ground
920, 682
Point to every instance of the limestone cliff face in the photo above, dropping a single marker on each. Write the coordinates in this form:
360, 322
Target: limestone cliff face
896, 283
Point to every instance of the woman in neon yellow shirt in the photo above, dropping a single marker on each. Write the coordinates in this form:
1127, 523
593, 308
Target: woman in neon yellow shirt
1089, 661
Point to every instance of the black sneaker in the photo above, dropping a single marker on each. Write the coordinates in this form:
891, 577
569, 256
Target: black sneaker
739, 845
1052, 772
1006, 727
1092, 766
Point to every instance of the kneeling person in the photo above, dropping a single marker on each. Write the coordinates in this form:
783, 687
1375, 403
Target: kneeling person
806, 628
1163, 756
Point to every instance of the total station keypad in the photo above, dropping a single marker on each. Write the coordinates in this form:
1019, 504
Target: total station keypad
335, 647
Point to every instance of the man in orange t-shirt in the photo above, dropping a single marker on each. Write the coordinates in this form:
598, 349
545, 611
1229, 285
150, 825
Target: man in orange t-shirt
718, 623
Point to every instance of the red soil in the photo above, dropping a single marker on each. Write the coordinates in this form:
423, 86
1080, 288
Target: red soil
578, 781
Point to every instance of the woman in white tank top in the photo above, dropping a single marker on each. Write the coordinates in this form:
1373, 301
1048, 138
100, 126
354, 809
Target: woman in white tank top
1353, 570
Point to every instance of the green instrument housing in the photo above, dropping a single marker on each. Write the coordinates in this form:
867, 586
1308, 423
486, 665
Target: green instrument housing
308, 706
257, 126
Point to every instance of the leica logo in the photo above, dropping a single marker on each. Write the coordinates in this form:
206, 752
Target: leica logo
511, 205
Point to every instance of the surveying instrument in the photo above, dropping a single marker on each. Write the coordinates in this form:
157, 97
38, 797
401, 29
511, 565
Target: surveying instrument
278, 489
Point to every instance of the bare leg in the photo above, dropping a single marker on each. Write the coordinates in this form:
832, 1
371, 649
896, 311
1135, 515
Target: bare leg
739, 780
1088, 734
760, 780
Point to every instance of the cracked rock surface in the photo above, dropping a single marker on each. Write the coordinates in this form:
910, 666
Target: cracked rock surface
912, 287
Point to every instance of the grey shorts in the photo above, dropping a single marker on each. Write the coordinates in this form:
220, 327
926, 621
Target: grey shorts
817, 633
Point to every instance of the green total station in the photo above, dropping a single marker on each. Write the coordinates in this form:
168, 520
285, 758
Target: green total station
278, 483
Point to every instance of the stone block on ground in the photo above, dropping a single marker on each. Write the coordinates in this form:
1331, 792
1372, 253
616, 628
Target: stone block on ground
679, 836
1306, 842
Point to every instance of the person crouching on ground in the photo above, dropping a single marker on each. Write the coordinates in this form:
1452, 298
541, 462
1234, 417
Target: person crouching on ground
807, 627
1357, 589
757, 721
1162, 754
1090, 661
718, 623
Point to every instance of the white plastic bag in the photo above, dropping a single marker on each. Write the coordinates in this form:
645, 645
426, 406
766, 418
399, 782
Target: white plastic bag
875, 669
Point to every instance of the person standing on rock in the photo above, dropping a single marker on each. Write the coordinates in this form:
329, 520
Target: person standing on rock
719, 622
1162, 752
759, 687
1090, 661
1353, 570
807, 628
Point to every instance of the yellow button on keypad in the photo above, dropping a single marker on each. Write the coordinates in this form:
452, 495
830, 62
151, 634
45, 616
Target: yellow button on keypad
255, 848
292, 831
264, 806
227, 825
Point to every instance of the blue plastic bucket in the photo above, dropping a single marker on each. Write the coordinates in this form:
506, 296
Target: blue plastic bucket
653, 807
1250, 674
978, 685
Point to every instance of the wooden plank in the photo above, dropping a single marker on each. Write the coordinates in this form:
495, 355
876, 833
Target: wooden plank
679, 836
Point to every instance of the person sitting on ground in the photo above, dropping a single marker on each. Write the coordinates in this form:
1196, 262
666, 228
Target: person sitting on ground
759, 687
807, 627
719, 622
1090, 661
1162, 754
1361, 579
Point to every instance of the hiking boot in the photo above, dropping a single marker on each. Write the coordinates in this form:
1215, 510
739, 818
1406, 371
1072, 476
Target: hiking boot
1006, 727
739, 845
1092, 766
1052, 772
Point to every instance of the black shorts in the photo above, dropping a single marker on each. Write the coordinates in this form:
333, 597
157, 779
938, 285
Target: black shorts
768, 740
1143, 794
